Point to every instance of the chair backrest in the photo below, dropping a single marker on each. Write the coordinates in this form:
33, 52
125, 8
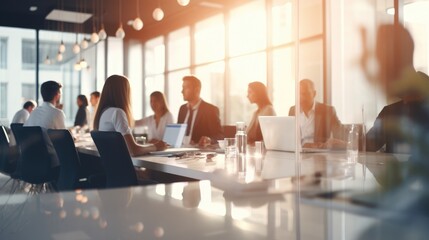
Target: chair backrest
116, 159
4, 149
69, 158
35, 163
15, 127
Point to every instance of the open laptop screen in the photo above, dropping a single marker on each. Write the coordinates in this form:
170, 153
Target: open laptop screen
174, 134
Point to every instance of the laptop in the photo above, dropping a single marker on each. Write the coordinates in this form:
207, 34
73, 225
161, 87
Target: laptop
279, 134
173, 136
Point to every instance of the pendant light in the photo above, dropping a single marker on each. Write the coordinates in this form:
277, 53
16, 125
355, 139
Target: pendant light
158, 13
59, 56
84, 44
102, 33
120, 33
183, 2
94, 36
138, 23
62, 47
76, 48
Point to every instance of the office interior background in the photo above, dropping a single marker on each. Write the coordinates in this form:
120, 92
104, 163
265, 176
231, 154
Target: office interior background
227, 44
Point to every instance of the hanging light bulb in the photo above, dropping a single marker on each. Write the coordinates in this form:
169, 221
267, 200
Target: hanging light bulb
59, 57
84, 43
94, 37
77, 66
158, 14
183, 2
62, 47
83, 63
138, 24
47, 60
76, 48
102, 34
120, 33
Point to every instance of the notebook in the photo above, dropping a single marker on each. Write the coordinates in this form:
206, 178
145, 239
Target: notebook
173, 136
279, 134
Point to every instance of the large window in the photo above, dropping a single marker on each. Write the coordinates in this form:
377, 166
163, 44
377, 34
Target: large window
28, 91
3, 98
252, 42
3, 52
154, 63
179, 49
209, 40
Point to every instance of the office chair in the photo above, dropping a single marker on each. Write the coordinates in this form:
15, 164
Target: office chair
70, 176
8, 154
35, 161
116, 159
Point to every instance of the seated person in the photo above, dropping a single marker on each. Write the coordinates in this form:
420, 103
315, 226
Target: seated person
257, 93
22, 115
202, 118
402, 126
82, 114
318, 121
48, 116
93, 99
162, 116
114, 114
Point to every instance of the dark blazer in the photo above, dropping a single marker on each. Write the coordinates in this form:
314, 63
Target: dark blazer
207, 122
398, 126
326, 122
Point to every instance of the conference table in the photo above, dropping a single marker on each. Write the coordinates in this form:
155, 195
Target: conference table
318, 195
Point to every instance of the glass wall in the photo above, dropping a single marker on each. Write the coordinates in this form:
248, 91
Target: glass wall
251, 42
18, 70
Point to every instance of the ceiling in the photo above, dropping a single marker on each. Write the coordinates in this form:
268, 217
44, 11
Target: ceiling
18, 14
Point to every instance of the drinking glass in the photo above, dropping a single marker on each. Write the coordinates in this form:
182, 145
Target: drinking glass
230, 155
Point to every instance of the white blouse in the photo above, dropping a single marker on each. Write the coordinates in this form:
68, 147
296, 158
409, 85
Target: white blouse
156, 132
114, 119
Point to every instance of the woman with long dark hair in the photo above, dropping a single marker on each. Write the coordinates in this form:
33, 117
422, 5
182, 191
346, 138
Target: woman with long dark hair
82, 114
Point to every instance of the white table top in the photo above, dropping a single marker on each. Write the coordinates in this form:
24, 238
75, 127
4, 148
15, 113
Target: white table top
195, 211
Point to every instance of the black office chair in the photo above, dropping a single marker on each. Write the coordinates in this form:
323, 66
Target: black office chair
116, 159
35, 161
14, 127
70, 176
8, 154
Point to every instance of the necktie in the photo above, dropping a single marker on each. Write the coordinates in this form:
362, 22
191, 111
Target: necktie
189, 122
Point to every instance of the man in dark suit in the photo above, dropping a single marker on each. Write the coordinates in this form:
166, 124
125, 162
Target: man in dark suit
202, 118
400, 127
320, 126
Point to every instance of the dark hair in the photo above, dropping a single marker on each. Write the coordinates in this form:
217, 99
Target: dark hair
159, 97
83, 99
261, 93
397, 42
116, 93
28, 104
96, 94
196, 83
49, 89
